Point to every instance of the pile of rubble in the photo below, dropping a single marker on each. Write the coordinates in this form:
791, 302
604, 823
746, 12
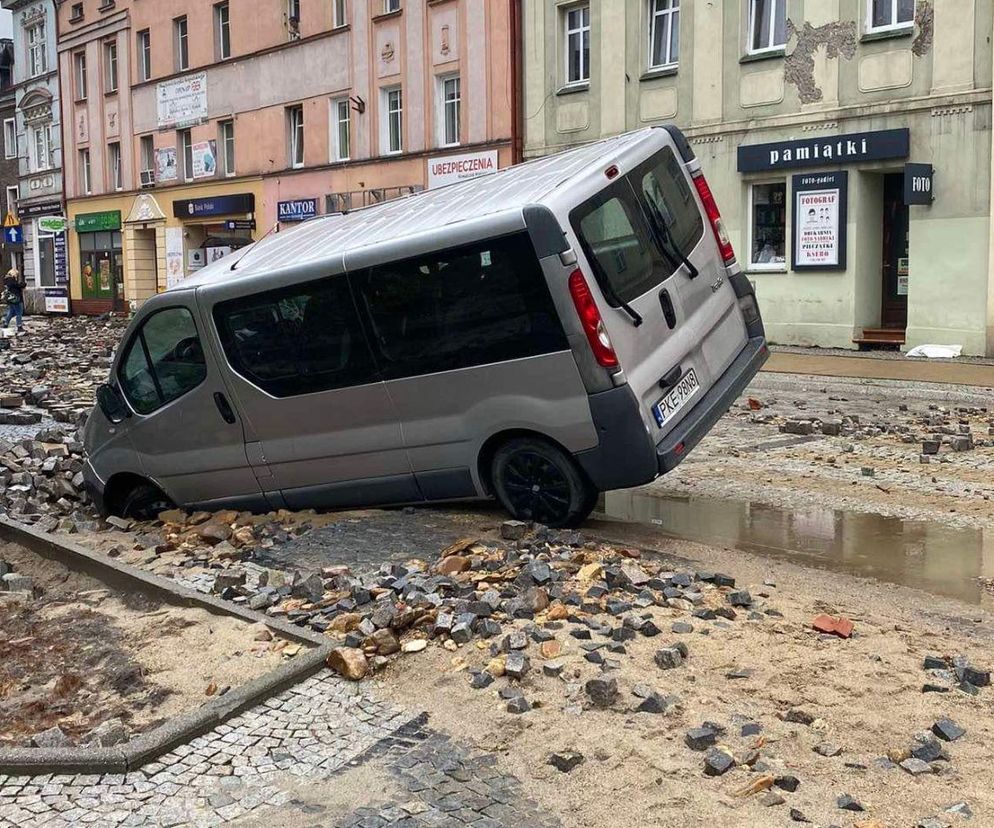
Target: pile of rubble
54, 369
41, 482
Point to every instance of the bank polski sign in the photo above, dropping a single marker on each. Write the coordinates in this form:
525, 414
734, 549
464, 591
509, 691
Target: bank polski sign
828, 150
182, 101
451, 169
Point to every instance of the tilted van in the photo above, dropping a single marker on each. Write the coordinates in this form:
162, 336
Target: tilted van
563, 327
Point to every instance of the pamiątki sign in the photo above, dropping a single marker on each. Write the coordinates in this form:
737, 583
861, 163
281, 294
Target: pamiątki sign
852, 148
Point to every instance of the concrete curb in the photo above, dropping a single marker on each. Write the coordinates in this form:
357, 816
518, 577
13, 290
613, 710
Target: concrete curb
180, 729
966, 395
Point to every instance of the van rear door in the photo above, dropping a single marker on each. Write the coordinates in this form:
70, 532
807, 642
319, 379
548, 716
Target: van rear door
668, 306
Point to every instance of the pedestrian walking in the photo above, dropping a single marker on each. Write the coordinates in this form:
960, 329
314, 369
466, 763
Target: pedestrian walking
13, 296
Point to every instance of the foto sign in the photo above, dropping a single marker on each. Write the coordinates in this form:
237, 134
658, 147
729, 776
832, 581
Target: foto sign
299, 209
918, 184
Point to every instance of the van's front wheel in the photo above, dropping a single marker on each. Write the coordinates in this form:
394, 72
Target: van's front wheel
144, 502
535, 480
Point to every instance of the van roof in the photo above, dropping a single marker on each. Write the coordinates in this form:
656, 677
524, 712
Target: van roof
510, 189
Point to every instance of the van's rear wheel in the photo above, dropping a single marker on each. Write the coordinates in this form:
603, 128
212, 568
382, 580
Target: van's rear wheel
535, 480
144, 502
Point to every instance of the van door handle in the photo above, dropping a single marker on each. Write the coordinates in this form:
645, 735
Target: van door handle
224, 407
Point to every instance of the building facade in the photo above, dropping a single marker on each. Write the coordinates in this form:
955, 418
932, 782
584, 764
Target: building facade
194, 128
848, 142
12, 251
37, 126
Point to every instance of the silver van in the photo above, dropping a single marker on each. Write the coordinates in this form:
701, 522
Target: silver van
564, 327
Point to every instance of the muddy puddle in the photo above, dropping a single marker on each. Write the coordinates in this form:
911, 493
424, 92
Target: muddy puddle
943, 560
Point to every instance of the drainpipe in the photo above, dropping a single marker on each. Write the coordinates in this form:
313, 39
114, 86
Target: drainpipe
517, 80
990, 254
62, 151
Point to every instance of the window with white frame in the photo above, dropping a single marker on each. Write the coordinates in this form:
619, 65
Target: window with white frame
577, 43
391, 6
114, 162
181, 44
144, 55
9, 138
293, 19
768, 226
222, 31
185, 143
79, 73
40, 148
664, 33
12, 197
341, 19
889, 14
341, 122
110, 66
37, 49
767, 25
449, 104
148, 158
392, 130
226, 137
85, 177
295, 135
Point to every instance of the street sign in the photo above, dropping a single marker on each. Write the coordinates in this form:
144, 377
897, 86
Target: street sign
10, 220
12, 234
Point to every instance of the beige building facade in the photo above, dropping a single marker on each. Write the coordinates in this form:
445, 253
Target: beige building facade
848, 142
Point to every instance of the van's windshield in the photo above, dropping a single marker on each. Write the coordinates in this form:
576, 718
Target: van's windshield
638, 230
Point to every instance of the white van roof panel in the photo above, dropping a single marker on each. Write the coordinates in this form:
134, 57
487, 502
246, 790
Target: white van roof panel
510, 189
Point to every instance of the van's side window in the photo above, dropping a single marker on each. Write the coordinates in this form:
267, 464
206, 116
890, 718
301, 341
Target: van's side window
298, 340
472, 305
163, 361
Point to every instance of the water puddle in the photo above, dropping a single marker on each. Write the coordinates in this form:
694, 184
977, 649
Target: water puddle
939, 559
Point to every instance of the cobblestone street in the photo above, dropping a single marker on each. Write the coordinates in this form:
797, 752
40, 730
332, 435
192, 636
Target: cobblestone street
255, 766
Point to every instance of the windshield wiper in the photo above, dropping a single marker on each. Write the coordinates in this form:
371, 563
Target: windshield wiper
669, 248
614, 299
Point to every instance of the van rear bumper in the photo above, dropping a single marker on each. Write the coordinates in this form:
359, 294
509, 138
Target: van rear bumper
702, 417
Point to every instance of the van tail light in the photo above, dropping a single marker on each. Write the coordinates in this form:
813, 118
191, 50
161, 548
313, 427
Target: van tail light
714, 216
590, 318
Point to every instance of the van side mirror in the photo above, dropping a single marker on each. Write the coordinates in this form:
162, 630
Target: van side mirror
112, 404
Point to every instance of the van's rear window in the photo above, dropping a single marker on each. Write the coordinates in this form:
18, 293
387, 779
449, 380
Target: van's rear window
628, 254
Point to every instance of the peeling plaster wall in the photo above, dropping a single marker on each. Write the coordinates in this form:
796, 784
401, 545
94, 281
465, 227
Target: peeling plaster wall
837, 39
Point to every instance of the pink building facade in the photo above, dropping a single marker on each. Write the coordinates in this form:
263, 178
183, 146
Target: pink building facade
235, 118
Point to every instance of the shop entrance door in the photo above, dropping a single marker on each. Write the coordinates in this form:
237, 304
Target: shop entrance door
896, 269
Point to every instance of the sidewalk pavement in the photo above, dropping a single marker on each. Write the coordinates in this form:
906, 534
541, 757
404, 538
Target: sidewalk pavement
952, 372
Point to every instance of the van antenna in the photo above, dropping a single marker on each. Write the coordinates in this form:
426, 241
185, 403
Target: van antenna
274, 229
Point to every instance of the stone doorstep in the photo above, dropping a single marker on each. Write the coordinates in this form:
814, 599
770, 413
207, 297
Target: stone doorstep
180, 729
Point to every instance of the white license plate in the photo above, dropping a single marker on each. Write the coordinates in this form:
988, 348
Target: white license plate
670, 405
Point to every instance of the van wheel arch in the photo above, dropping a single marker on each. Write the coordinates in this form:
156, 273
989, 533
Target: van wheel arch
122, 490
583, 492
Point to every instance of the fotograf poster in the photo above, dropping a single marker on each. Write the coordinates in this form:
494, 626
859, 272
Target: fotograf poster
820, 221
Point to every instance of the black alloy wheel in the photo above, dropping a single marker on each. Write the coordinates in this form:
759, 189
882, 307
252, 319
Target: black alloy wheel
145, 502
537, 481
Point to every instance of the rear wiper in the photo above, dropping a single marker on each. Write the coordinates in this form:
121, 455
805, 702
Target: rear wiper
669, 248
614, 299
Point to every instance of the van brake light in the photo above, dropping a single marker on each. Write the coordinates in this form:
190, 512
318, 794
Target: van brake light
714, 216
590, 319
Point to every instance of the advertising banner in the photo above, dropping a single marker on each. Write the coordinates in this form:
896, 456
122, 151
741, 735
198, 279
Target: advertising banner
175, 269
182, 101
165, 164
204, 159
820, 221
